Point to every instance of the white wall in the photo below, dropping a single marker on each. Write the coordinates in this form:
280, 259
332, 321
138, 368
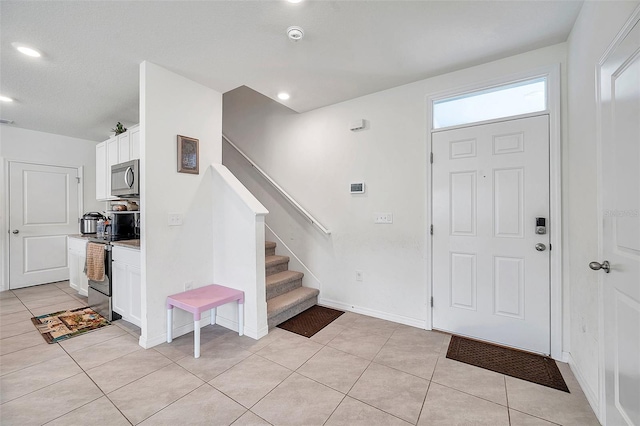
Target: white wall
595, 28
315, 156
18, 144
172, 105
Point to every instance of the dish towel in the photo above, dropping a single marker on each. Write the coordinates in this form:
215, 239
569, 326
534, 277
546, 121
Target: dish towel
95, 261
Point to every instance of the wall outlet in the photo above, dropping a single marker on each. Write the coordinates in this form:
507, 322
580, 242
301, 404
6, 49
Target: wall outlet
383, 218
175, 219
188, 286
359, 276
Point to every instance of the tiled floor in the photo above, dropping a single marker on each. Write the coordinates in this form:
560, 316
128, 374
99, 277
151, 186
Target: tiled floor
357, 371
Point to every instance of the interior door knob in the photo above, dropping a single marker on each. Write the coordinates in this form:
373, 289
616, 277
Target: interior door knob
541, 247
596, 266
15, 231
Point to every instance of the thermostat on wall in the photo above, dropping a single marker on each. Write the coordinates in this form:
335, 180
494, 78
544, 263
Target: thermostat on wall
357, 188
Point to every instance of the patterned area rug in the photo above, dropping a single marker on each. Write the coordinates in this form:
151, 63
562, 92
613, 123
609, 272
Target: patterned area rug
309, 322
512, 362
66, 324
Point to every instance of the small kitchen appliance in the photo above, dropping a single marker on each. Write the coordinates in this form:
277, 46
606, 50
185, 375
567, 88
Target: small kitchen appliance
89, 221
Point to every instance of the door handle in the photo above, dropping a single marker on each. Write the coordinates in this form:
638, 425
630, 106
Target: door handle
15, 231
540, 247
596, 266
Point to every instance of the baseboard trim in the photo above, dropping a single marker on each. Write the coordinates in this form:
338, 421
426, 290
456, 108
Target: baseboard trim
422, 324
591, 395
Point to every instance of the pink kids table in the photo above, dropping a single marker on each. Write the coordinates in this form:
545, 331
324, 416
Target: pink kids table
199, 300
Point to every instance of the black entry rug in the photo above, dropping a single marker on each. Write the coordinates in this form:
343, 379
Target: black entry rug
63, 325
512, 362
309, 322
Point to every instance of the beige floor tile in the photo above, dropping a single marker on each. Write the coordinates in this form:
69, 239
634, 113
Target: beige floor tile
7, 294
336, 369
16, 317
290, 351
51, 402
22, 341
11, 306
445, 406
476, 381
516, 418
250, 419
48, 309
392, 391
92, 338
306, 402
9, 330
375, 325
250, 380
347, 319
35, 377
152, 393
445, 345
408, 357
132, 329
325, 335
550, 404
62, 284
182, 346
98, 412
428, 340
129, 368
24, 358
53, 300
104, 352
252, 345
214, 360
70, 291
358, 342
355, 413
203, 406
41, 294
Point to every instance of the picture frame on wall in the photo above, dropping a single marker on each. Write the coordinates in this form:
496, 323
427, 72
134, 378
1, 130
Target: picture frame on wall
188, 155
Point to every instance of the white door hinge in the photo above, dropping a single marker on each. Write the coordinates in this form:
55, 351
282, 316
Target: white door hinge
432, 158
432, 301
78, 179
431, 229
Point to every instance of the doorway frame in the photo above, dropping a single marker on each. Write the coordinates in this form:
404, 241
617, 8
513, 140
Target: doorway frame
4, 225
553, 76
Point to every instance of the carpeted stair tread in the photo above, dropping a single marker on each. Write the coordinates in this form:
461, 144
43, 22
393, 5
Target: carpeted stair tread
288, 300
269, 248
283, 282
275, 264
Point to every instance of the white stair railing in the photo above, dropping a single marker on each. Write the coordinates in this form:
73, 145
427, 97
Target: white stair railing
284, 193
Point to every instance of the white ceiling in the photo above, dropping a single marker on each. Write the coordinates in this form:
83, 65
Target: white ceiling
88, 77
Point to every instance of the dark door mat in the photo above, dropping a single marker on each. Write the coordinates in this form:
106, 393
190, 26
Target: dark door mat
309, 322
512, 362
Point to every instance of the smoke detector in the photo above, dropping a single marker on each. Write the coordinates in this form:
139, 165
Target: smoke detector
295, 33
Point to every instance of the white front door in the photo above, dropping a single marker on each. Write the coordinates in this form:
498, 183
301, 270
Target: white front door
490, 282
620, 198
43, 209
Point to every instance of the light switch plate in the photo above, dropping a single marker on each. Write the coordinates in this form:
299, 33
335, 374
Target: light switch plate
175, 219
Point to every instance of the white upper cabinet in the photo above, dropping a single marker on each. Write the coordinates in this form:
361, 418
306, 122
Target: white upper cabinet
115, 150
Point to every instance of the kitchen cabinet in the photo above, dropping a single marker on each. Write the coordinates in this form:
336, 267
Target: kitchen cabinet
117, 149
76, 259
127, 285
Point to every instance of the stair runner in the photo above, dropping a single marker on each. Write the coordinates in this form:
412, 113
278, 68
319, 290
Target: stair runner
286, 297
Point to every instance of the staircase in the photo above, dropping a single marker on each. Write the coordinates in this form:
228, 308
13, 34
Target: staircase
286, 297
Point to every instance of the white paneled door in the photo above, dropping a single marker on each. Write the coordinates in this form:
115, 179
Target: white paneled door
43, 210
490, 267
620, 227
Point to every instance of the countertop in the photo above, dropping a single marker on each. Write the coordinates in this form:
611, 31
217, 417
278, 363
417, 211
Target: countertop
134, 244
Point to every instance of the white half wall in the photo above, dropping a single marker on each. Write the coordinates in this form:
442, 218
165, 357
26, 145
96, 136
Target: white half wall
173, 256
314, 157
31, 146
594, 29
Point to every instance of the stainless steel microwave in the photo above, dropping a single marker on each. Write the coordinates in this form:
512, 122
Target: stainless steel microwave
125, 179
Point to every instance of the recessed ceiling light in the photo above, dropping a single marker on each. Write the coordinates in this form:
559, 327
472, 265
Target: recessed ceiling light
294, 1
5, 99
29, 51
283, 96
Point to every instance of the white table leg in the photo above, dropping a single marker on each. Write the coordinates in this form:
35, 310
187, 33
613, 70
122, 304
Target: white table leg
169, 325
196, 339
240, 319
213, 316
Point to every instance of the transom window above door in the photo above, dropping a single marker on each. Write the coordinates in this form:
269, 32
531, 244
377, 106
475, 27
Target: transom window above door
522, 97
